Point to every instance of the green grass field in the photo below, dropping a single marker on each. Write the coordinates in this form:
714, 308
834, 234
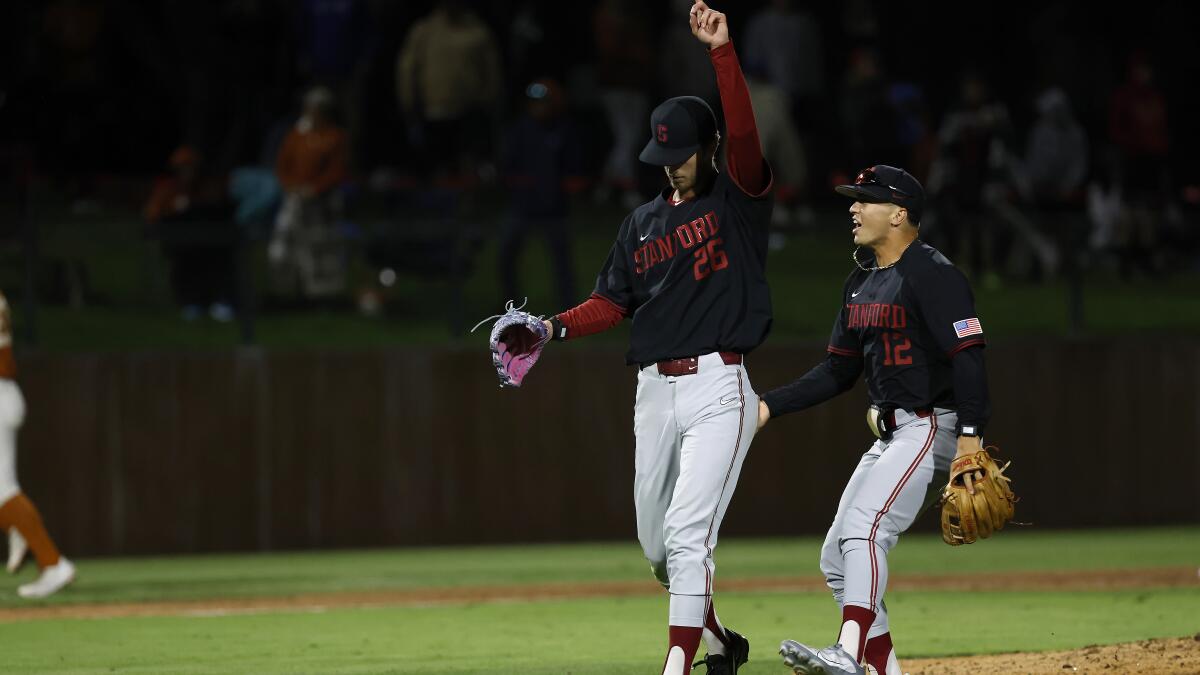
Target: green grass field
623, 634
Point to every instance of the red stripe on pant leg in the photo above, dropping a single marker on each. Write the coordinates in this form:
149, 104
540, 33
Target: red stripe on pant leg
728, 472
891, 499
874, 572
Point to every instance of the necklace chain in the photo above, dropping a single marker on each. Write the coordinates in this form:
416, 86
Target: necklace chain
876, 268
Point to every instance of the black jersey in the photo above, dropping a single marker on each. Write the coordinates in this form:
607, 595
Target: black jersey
692, 276
907, 322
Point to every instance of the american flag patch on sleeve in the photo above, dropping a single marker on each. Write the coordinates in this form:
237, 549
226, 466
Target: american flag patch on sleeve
967, 327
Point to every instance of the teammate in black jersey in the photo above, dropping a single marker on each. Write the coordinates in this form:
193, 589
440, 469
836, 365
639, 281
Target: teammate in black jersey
908, 321
687, 268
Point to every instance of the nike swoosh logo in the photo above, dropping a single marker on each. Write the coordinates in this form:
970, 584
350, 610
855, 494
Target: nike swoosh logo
727, 401
644, 237
855, 294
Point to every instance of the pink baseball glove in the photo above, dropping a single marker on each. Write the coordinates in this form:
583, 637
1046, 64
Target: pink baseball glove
516, 342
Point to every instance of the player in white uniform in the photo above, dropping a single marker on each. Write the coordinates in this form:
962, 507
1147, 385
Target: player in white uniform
18, 516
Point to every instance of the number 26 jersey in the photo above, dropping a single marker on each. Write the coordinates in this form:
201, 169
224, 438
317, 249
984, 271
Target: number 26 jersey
692, 275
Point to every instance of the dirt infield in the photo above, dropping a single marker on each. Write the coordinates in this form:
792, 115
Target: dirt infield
1158, 657
1171, 577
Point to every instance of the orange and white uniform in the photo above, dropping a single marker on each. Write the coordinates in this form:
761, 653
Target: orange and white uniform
18, 515
12, 407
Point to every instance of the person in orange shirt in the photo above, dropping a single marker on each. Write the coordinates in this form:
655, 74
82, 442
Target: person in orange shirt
311, 163
312, 159
188, 196
18, 516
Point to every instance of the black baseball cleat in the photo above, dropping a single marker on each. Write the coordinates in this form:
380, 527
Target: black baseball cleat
736, 656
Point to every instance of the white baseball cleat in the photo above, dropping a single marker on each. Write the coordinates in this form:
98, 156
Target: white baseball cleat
804, 660
17, 548
52, 580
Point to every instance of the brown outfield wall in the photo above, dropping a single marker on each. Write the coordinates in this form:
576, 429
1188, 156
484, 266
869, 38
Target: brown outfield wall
253, 450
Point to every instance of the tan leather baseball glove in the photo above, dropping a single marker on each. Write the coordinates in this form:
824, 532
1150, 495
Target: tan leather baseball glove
967, 517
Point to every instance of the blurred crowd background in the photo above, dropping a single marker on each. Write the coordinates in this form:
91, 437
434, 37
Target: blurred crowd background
268, 156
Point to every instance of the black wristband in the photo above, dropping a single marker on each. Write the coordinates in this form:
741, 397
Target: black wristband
558, 331
968, 429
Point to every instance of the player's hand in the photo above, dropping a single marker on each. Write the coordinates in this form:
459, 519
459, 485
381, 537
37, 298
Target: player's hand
549, 327
708, 25
969, 445
764, 413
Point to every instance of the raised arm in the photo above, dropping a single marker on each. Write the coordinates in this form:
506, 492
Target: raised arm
743, 150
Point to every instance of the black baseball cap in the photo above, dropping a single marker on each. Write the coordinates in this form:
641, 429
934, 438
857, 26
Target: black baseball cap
883, 184
679, 127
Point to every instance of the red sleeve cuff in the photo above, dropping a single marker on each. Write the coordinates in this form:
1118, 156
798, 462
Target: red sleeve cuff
594, 315
963, 345
717, 52
843, 352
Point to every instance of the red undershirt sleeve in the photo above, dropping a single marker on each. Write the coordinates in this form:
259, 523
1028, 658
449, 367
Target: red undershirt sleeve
595, 315
743, 150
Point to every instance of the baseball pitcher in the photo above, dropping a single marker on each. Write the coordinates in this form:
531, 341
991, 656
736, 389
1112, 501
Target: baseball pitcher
687, 268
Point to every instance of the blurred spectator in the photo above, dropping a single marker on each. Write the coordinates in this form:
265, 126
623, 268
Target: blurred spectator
1056, 156
1138, 129
188, 210
542, 165
972, 178
255, 77
781, 145
254, 187
1105, 204
684, 70
73, 70
786, 41
1056, 163
914, 128
311, 163
256, 193
867, 115
335, 44
624, 70
783, 41
528, 44
448, 82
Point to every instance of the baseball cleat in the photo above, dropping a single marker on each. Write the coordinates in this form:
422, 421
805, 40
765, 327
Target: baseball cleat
17, 548
804, 660
52, 580
736, 656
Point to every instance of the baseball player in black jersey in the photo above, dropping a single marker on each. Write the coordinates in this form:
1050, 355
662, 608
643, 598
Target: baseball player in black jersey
908, 320
687, 268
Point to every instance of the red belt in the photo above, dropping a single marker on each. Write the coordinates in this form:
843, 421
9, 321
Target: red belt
691, 364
